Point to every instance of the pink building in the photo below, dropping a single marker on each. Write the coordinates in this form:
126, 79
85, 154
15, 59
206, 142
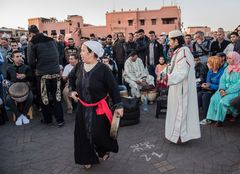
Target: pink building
194, 29
69, 27
164, 19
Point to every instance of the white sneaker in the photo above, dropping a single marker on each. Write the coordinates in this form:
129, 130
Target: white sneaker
205, 122
19, 121
25, 119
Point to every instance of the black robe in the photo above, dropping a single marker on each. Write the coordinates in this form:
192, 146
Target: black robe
92, 132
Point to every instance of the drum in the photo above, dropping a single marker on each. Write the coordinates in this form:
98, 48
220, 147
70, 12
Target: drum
19, 91
152, 96
115, 125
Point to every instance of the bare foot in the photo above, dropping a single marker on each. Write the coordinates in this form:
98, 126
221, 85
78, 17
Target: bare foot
88, 166
106, 156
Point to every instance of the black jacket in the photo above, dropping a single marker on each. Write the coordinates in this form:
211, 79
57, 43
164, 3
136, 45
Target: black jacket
201, 72
22, 69
43, 55
60, 47
158, 52
142, 47
130, 46
119, 53
216, 48
237, 46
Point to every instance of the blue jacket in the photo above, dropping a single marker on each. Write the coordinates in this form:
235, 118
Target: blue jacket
1, 62
214, 78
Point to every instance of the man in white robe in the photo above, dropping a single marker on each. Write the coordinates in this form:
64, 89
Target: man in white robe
136, 75
182, 121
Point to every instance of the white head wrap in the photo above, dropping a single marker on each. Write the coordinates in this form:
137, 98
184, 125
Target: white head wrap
95, 46
175, 33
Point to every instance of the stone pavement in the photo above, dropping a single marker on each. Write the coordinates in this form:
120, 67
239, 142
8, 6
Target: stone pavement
47, 149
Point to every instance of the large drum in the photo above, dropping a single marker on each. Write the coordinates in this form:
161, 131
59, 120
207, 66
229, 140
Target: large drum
19, 91
151, 96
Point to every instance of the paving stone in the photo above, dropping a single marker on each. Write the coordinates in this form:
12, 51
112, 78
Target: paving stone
38, 148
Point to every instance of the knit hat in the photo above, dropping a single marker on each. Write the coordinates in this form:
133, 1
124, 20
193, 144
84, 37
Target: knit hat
174, 33
33, 29
95, 46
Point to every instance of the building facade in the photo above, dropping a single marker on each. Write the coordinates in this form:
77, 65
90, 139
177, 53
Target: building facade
165, 19
13, 32
192, 30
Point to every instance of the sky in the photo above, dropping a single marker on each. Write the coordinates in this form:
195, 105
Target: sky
212, 13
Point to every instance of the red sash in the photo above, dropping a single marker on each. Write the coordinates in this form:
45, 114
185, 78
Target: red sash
102, 107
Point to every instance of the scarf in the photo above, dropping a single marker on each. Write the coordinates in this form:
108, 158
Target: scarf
44, 92
235, 67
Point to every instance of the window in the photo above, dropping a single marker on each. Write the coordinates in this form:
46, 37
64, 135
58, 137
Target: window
142, 22
53, 31
46, 32
168, 20
154, 21
119, 22
130, 22
78, 24
62, 32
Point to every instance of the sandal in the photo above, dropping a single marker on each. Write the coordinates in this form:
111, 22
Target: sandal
106, 156
88, 166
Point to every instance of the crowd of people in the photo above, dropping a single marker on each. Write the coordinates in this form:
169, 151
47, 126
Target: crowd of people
200, 74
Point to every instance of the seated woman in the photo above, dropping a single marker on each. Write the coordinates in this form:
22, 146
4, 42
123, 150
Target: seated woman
161, 73
229, 88
211, 85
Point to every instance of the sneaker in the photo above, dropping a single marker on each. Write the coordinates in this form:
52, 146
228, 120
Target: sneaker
19, 121
60, 124
205, 122
25, 119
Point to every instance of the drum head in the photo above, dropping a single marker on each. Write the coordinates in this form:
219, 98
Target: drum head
114, 126
19, 91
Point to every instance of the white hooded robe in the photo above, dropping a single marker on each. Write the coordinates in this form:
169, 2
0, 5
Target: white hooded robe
182, 120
